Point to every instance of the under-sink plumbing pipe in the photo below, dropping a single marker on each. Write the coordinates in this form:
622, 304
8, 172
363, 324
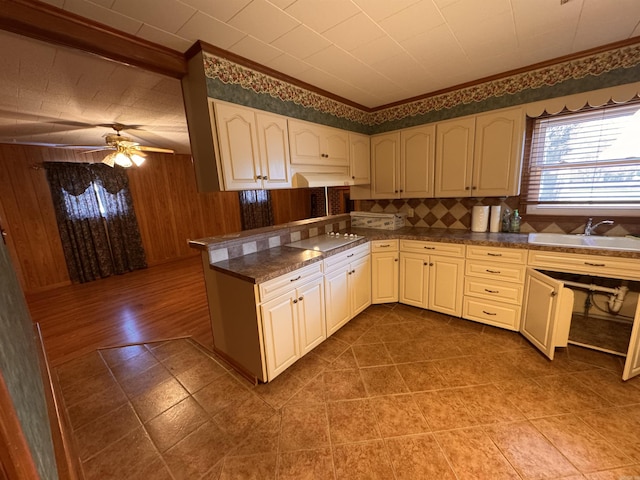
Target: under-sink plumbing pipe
616, 297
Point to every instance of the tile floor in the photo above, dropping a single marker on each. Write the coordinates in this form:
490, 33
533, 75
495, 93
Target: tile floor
398, 393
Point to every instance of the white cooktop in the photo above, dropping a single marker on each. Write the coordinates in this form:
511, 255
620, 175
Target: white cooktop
323, 243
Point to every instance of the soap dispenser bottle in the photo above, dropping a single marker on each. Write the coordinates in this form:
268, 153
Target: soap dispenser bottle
506, 220
515, 222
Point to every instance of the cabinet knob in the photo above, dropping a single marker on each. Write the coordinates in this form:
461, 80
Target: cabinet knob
395, 259
395, 191
466, 188
473, 188
431, 264
401, 190
295, 300
258, 177
300, 299
425, 264
264, 177
353, 271
353, 177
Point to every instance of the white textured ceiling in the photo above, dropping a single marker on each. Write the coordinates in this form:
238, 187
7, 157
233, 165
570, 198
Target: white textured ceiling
372, 52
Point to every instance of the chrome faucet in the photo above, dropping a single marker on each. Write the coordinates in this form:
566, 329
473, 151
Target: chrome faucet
589, 227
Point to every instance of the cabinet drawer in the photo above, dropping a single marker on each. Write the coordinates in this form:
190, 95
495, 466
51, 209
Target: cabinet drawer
336, 261
498, 254
284, 283
384, 246
492, 313
433, 248
493, 290
598, 265
496, 271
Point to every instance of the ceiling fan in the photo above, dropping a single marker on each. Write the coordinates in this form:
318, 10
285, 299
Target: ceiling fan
124, 151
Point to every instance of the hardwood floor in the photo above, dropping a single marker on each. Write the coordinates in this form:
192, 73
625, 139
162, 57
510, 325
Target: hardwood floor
158, 303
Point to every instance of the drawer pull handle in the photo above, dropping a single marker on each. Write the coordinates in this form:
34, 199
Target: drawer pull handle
350, 255
494, 254
492, 271
296, 279
491, 291
488, 313
429, 248
385, 245
595, 264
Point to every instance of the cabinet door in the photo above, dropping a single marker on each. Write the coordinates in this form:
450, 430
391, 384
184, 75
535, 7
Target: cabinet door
335, 147
360, 158
279, 321
632, 363
498, 153
305, 143
446, 285
311, 322
385, 280
273, 140
336, 294
360, 285
417, 160
414, 279
546, 312
238, 145
454, 158
385, 165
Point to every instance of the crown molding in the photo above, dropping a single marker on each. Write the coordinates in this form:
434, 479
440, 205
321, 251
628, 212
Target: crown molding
41, 21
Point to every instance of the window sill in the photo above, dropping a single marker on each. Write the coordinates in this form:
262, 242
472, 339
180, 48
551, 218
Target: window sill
585, 210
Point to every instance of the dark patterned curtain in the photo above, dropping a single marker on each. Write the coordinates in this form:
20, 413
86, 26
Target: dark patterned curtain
255, 209
96, 220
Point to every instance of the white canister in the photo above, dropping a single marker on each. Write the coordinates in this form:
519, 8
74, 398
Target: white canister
496, 219
479, 218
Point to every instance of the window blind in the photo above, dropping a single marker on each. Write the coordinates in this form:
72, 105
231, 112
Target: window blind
585, 158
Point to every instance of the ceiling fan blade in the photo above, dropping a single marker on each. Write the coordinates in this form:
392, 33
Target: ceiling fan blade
153, 149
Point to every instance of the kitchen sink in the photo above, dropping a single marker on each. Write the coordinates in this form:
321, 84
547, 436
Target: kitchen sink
585, 241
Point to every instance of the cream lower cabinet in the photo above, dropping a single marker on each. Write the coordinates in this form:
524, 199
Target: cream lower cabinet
347, 284
293, 324
493, 285
548, 303
385, 269
432, 276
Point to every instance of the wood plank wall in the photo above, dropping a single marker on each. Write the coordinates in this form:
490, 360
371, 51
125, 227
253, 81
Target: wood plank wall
168, 207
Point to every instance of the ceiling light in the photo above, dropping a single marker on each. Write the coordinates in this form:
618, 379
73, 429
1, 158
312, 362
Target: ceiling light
124, 157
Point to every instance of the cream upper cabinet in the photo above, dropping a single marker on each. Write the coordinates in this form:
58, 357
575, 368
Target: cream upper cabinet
360, 158
402, 163
480, 155
313, 144
253, 147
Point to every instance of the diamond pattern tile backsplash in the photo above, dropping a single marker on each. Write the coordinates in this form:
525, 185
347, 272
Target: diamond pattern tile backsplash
455, 213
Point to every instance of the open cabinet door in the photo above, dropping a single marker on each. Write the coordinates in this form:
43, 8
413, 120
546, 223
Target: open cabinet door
546, 312
632, 364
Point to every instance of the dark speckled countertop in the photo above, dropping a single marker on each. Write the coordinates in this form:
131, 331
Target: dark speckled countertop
268, 264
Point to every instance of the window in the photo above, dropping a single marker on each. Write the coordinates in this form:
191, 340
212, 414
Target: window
586, 162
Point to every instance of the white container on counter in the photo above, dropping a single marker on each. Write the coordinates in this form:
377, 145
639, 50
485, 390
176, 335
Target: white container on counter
479, 218
496, 219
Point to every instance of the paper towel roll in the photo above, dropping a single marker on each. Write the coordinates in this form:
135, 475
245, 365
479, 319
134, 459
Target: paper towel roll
496, 218
479, 218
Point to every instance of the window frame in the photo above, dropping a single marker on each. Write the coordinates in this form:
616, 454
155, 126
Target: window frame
529, 207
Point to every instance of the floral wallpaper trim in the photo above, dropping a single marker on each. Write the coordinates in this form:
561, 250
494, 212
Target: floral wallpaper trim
229, 72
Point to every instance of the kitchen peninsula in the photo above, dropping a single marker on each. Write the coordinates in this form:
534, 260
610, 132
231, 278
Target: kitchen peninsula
271, 303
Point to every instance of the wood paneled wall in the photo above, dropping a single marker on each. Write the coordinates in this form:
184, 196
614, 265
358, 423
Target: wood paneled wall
169, 209
290, 205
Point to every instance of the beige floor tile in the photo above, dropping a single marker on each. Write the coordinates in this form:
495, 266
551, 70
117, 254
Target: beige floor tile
129, 457
407, 351
105, 430
240, 418
200, 375
444, 409
141, 382
373, 354
174, 424
352, 421
571, 394
331, 349
264, 438
158, 399
594, 358
362, 461
115, 356
353, 330
624, 473
580, 444
474, 456
81, 368
261, 466
346, 361
422, 376
383, 381
418, 457
463, 371
343, 385
529, 452
95, 406
77, 391
175, 347
611, 387
312, 393
392, 332
277, 392
220, 394
532, 399
489, 405
618, 427
307, 464
398, 415
134, 366
308, 367
304, 427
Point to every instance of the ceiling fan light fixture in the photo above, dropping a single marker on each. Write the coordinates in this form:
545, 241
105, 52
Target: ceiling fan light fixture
110, 159
123, 160
137, 159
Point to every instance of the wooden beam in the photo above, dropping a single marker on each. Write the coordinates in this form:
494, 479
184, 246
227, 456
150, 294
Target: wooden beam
41, 21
